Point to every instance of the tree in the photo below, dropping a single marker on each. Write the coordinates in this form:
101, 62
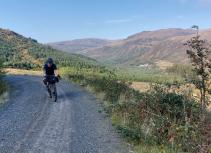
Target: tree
197, 29
199, 54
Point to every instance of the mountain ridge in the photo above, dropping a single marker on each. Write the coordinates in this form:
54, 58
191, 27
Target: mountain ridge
147, 47
79, 45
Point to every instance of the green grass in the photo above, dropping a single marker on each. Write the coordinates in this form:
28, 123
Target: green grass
134, 113
127, 74
17, 51
97, 72
3, 87
142, 148
147, 75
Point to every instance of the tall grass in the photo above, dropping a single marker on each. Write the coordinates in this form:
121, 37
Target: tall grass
142, 148
128, 74
160, 117
2, 83
152, 74
3, 87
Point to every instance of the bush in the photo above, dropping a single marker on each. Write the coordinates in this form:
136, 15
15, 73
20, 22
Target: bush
150, 117
2, 83
185, 71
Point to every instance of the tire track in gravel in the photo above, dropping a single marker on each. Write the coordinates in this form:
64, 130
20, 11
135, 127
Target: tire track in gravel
31, 123
18, 146
55, 131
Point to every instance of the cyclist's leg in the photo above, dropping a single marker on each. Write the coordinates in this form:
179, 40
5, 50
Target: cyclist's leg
45, 81
55, 92
54, 89
49, 90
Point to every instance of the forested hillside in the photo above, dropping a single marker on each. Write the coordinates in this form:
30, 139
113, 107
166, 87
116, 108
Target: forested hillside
21, 52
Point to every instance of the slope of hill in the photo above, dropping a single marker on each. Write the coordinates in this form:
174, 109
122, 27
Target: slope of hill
21, 52
171, 49
132, 49
79, 45
164, 45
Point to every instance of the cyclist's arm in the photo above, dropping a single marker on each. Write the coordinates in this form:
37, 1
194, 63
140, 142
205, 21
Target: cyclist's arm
56, 72
44, 71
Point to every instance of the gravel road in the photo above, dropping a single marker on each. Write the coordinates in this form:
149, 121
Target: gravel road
31, 123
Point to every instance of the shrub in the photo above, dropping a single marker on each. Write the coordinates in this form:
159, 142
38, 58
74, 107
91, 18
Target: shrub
150, 117
2, 84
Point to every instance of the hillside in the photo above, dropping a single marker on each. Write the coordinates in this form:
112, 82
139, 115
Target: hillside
21, 52
132, 49
171, 49
79, 45
165, 45
148, 47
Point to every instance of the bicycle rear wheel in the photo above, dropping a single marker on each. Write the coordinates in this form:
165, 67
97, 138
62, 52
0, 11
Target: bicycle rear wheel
54, 93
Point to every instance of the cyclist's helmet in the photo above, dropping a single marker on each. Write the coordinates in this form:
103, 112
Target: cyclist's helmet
50, 61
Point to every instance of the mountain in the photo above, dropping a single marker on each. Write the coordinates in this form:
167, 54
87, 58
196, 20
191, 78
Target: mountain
165, 45
133, 50
79, 45
171, 49
21, 52
148, 47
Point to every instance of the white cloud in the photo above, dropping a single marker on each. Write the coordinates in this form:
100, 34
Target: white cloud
180, 17
91, 23
183, 1
202, 2
118, 21
205, 1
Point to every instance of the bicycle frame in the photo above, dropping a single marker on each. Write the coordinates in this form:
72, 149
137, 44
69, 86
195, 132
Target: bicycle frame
51, 85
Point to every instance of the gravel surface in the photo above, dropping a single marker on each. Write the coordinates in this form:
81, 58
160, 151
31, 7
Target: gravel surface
31, 123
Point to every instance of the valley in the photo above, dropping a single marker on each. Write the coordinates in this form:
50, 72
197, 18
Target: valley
142, 85
148, 47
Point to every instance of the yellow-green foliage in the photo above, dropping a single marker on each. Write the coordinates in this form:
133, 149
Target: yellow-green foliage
149, 118
20, 52
126, 75
94, 71
148, 75
153, 149
3, 87
2, 83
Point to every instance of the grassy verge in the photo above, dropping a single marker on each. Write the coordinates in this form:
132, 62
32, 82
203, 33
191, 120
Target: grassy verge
3, 89
153, 149
159, 120
22, 72
148, 75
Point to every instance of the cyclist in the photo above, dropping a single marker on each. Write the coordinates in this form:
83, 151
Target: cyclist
50, 71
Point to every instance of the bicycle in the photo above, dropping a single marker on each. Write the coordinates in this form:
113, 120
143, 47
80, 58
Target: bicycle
51, 81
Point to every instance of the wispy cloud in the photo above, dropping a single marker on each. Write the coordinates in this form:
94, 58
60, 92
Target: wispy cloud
112, 21
180, 17
183, 1
91, 23
205, 1
202, 2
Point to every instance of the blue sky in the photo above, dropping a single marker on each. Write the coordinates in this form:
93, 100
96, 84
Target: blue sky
58, 20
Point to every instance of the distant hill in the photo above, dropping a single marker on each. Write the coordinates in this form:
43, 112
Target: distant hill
79, 45
147, 47
144, 47
21, 52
